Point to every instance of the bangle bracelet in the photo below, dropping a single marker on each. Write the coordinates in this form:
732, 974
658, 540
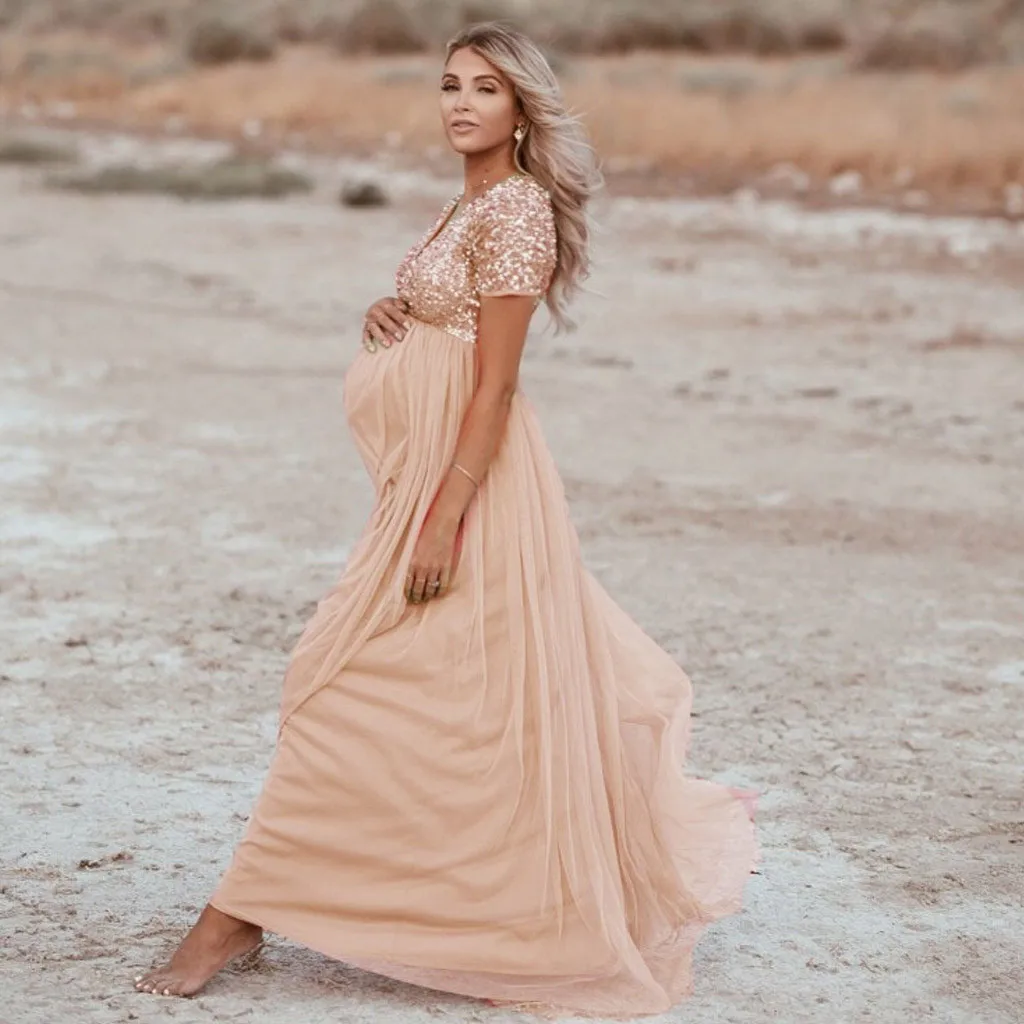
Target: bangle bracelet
466, 472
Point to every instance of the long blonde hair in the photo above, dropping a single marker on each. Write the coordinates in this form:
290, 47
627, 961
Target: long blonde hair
554, 150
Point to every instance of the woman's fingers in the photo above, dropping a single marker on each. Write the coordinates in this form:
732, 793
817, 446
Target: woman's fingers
414, 583
391, 304
377, 334
397, 309
392, 322
423, 584
386, 321
383, 331
433, 586
394, 316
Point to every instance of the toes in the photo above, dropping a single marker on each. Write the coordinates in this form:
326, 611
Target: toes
151, 983
159, 985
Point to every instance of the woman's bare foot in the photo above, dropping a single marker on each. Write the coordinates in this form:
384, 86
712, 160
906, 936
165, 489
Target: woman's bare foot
213, 941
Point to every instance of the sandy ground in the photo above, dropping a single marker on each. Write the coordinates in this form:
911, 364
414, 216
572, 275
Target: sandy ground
794, 447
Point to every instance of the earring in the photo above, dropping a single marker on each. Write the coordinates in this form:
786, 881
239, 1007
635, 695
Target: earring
519, 133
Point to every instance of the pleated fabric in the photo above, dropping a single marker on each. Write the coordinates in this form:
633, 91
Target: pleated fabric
484, 793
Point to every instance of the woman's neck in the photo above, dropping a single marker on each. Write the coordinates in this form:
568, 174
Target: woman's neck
482, 170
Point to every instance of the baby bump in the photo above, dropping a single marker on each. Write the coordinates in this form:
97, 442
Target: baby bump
375, 407
397, 397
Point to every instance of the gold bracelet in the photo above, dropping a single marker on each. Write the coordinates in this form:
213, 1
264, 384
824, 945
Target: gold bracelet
466, 472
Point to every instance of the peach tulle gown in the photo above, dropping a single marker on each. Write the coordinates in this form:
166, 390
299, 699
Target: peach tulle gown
484, 793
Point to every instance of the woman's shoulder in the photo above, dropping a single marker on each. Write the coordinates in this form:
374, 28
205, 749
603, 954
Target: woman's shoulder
518, 196
515, 246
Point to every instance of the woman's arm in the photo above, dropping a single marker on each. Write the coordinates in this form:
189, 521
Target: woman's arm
501, 334
503, 323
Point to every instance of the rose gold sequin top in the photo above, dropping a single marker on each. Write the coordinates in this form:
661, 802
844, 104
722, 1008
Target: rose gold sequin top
503, 242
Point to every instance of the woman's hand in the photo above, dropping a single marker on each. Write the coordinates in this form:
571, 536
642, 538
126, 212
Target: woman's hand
385, 321
434, 559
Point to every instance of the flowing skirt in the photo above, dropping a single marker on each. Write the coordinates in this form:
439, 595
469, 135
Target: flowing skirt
484, 793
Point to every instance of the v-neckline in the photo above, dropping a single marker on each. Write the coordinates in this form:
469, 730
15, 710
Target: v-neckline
450, 216
445, 219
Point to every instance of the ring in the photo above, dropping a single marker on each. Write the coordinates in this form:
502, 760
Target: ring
434, 584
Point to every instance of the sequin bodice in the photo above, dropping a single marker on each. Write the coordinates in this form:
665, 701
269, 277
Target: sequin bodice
501, 243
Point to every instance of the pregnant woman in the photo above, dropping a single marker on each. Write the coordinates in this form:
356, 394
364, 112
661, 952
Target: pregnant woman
477, 785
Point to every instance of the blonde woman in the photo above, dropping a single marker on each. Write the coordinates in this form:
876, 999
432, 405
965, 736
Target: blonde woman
477, 784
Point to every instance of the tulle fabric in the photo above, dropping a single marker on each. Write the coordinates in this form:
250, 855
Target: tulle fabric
484, 793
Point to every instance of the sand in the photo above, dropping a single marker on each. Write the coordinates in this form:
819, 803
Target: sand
811, 495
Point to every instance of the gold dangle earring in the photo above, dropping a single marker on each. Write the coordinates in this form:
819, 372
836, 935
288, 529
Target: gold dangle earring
519, 134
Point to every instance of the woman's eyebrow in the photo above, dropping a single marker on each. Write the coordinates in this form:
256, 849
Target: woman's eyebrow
476, 78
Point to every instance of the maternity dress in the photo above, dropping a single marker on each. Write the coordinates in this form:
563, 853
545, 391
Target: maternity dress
484, 793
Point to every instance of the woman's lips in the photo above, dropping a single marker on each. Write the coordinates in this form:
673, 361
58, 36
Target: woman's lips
463, 126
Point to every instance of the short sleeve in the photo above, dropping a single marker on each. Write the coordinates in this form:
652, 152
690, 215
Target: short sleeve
515, 243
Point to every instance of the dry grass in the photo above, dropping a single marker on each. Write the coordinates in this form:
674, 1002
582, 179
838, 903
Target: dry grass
382, 27
234, 178
936, 37
958, 137
911, 130
935, 33
951, 136
223, 39
764, 27
82, 66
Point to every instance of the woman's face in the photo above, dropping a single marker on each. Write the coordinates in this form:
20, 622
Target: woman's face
478, 104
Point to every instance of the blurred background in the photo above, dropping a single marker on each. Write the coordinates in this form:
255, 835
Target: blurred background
918, 104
